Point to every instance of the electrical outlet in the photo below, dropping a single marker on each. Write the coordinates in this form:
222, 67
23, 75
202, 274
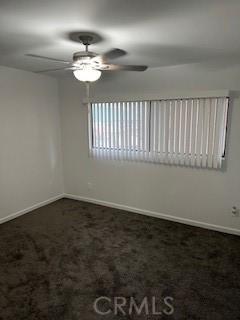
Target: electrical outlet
235, 211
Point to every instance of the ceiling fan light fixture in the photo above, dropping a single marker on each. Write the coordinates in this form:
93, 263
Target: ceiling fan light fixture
87, 74
87, 66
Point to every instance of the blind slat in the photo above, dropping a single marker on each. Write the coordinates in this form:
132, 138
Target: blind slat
199, 134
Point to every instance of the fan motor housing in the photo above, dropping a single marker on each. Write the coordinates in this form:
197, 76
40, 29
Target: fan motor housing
83, 56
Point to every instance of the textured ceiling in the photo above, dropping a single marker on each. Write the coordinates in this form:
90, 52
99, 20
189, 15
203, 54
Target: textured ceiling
153, 32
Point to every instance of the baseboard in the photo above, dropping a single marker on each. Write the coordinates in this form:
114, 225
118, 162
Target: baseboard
125, 208
156, 214
36, 206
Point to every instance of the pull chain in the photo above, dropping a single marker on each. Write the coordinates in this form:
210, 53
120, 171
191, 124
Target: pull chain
88, 91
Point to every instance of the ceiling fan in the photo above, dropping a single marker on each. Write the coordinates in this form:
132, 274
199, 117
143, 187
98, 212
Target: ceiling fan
87, 66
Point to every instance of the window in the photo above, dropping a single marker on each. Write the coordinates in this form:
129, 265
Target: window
188, 132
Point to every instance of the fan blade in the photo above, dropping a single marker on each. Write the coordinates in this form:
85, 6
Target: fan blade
109, 55
46, 58
115, 67
58, 69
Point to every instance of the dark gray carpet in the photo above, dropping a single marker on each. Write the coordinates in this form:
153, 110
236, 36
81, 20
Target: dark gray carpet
55, 261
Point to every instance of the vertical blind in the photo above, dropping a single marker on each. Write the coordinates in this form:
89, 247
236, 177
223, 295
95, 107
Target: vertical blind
188, 132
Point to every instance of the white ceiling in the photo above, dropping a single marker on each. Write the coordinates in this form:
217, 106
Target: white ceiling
153, 32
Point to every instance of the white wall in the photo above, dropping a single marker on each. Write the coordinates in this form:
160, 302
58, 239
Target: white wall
30, 146
197, 194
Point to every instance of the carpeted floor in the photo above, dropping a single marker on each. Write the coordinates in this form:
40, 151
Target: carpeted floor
56, 261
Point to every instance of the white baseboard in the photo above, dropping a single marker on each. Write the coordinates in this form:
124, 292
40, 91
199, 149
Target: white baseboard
156, 214
125, 208
36, 206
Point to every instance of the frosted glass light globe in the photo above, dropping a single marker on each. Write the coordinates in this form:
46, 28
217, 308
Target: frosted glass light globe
87, 74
